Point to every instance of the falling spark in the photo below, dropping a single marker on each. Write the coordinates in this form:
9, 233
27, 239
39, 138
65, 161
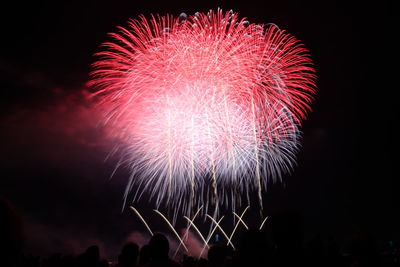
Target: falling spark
210, 235
263, 222
237, 224
222, 230
172, 228
197, 230
240, 220
213, 227
142, 219
185, 236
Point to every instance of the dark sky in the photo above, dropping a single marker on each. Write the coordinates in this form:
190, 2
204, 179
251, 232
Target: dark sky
52, 159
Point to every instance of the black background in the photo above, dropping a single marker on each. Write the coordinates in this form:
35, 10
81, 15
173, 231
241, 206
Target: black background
52, 158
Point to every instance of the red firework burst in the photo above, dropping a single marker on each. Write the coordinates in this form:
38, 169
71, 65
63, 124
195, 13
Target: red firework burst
206, 97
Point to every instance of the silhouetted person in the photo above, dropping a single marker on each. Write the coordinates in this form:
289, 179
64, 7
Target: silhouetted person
90, 258
10, 234
129, 255
144, 255
189, 261
159, 249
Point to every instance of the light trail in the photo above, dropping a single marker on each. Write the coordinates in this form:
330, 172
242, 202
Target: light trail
237, 224
263, 222
142, 219
197, 230
222, 230
172, 228
240, 220
185, 236
209, 236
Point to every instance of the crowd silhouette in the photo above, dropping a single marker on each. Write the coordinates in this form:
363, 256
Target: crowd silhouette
285, 247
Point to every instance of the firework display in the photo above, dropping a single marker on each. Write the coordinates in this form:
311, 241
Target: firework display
206, 108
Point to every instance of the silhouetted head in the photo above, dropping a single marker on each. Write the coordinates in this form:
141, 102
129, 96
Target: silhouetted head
92, 254
159, 246
129, 254
144, 255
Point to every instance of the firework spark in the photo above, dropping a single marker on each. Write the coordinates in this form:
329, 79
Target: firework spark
207, 108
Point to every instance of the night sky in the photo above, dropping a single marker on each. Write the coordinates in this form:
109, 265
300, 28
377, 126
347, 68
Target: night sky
53, 153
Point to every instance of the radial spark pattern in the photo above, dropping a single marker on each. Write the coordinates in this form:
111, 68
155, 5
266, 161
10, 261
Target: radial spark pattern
207, 107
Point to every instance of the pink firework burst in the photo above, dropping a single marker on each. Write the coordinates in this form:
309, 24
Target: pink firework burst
207, 107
